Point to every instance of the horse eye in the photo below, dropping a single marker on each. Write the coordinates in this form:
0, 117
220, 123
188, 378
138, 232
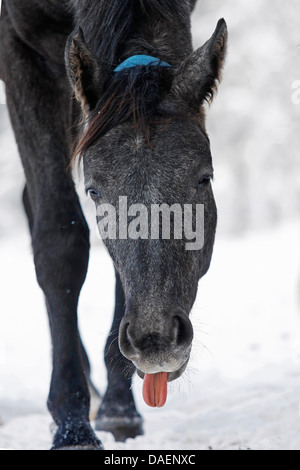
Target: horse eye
93, 193
203, 180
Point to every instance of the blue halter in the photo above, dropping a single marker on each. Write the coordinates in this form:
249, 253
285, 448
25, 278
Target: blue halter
138, 60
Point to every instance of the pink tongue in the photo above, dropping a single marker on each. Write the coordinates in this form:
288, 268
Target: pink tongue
155, 389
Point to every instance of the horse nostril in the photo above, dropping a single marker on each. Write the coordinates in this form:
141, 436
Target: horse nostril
126, 333
141, 344
124, 338
182, 332
126, 341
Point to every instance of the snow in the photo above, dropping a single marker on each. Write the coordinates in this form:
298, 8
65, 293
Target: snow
241, 389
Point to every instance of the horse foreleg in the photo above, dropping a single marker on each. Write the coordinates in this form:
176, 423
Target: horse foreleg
117, 413
38, 102
94, 394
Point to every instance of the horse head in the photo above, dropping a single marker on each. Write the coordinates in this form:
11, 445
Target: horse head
144, 145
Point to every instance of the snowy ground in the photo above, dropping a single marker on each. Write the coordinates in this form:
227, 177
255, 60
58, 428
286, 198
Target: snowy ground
242, 387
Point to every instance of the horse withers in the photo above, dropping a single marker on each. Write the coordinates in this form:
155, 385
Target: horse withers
118, 86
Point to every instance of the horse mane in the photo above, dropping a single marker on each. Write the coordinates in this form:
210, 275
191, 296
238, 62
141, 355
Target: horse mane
131, 95
116, 20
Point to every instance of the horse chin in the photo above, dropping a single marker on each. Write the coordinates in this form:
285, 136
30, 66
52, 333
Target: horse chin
171, 375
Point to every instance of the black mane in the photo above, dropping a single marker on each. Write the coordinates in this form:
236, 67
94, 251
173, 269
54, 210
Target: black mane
131, 95
120, 23
136, 93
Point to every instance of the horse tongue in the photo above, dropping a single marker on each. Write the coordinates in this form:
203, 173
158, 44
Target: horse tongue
155, 389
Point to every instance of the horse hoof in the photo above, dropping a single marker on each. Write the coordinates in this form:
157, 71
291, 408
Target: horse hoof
78, 447
76, 435
121, 428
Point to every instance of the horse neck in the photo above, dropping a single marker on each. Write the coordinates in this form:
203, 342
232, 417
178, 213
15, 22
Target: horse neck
124, 28
170, 42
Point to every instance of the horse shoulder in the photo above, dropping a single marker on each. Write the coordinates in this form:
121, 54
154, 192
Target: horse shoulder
43, 26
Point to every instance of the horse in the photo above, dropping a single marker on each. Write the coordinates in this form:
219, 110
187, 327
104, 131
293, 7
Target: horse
118, 87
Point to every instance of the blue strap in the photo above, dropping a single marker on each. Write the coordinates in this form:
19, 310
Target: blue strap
138, 60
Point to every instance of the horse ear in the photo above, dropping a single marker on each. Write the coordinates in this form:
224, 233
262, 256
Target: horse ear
83, 71
198, 76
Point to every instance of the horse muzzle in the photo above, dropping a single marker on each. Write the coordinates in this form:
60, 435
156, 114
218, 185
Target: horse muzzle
157, 345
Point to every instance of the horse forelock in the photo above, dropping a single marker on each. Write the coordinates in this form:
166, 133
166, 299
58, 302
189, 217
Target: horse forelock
132, 96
